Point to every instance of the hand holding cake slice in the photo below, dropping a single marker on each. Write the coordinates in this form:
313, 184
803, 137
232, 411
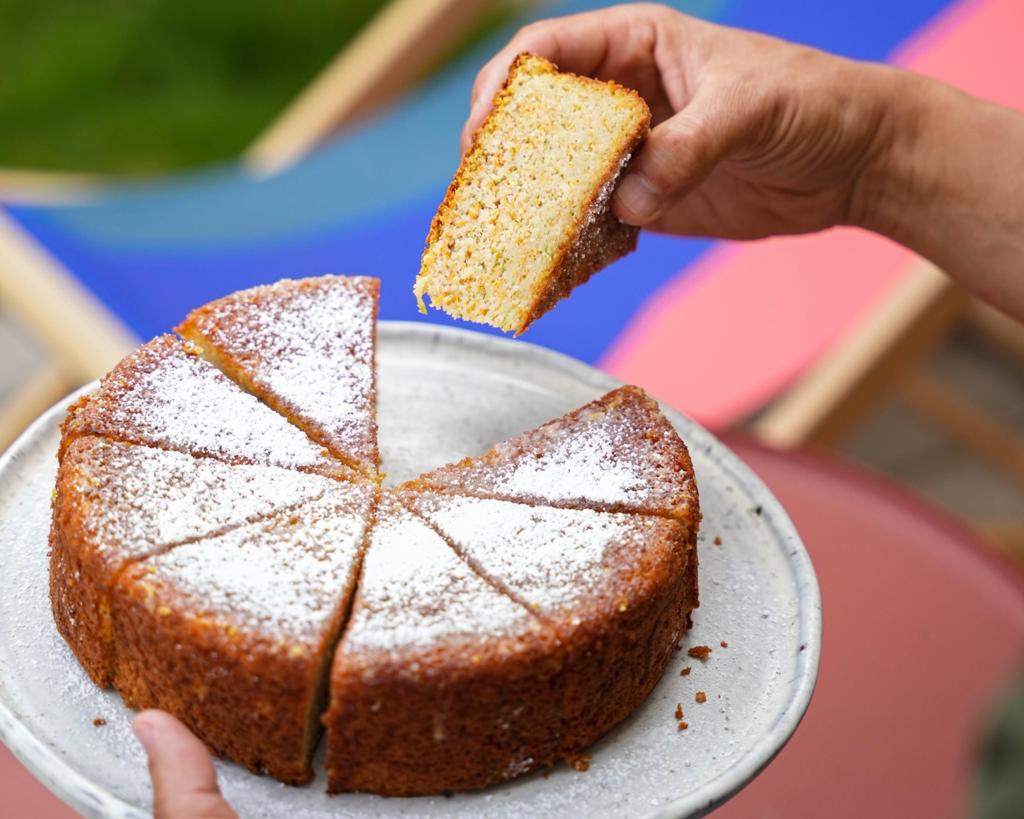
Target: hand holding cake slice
527, 217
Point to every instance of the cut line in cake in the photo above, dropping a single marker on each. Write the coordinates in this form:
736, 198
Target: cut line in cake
616, 454
306, 349
120, 503
580, 570
256, 651
164, 396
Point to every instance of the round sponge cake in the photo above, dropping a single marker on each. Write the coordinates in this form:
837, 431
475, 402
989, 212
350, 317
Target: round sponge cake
245, 571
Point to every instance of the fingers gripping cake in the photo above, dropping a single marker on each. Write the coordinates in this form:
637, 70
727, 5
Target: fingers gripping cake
243, 569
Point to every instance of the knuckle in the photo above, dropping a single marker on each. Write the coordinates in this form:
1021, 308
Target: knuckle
531, 31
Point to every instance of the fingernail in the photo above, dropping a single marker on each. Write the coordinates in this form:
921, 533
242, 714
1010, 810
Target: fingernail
144, 733
637, 196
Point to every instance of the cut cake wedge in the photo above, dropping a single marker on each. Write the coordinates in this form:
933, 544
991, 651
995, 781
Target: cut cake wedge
617, 454
527, 217
440, 682
618, 589
164, 396
259, 609
306, 348
115, 503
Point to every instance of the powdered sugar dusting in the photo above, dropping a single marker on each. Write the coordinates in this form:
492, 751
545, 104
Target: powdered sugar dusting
550, 558
585, 461
284, 578
617, 453
165, 397
135, 499
310, 345
415, 591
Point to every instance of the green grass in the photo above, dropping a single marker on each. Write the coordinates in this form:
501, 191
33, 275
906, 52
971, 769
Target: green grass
143, 86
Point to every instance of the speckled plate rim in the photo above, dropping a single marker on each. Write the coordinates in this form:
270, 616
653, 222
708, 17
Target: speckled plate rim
93, 800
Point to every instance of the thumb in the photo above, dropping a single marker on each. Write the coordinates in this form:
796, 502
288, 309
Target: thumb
184, 779
678, 154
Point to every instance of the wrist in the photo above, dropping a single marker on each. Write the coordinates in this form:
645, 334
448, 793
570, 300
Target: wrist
895, 185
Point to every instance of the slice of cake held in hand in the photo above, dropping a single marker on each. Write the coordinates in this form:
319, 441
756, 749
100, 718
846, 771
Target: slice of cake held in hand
527, 217
616, 454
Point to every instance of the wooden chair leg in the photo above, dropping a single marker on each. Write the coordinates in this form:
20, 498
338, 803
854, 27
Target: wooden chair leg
998, 328
394, 49
79, 331
965, 422
840, 390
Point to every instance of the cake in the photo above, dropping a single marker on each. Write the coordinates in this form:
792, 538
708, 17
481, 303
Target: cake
618, 453
116, 503
252, 681
616, 588
527, 216
304, 347
231, 558
164, 395
441, 682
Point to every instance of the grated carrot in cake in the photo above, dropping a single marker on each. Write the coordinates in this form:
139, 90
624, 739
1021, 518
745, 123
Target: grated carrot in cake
527, 217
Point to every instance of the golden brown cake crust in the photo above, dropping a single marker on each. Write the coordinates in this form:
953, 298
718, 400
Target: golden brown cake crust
440, 683
638, 643
245, 675
453, 724
616, 588
245, 698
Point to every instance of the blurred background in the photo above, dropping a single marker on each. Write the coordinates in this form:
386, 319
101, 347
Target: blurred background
156, 154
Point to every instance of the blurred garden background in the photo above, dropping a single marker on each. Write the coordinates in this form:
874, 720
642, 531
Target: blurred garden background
156, 86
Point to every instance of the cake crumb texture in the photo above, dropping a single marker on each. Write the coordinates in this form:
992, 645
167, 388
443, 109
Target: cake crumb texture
527, 216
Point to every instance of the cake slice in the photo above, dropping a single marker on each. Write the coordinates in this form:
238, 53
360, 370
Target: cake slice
617, 454
440, 681
162, 395
617, 588
259, 609
115, 503
306, 348
527, 217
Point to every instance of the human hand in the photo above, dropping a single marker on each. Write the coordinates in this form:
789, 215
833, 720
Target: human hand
752, 136
184, 779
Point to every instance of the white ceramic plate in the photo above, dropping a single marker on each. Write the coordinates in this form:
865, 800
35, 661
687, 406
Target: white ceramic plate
444, 394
